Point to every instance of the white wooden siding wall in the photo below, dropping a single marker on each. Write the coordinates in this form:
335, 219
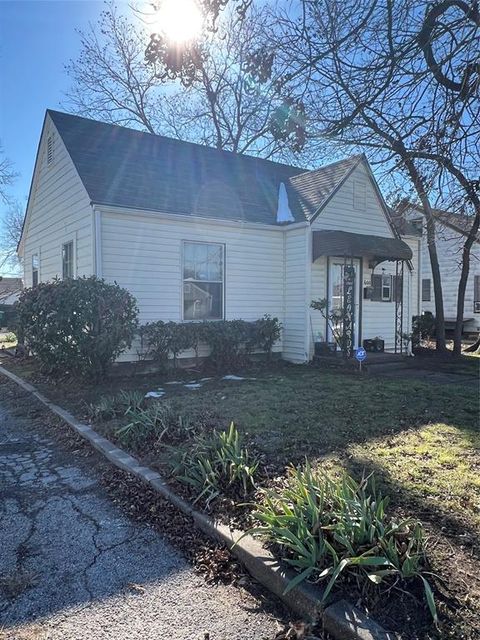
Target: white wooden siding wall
449, 247
297, 291
340, 214
59, 211
144, 254
378, 318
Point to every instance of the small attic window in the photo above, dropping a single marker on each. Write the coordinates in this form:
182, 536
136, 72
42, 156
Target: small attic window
50, 149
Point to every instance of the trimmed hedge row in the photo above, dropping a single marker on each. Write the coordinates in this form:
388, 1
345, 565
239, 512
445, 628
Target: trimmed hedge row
230, 342
81, 326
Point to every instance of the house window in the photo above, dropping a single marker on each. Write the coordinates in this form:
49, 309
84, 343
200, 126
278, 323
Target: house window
386, 288
476, 294
426, 290
35, 269
359, 195
67, 260
203, 281
50, 149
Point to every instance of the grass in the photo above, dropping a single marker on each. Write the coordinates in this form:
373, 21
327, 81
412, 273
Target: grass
421, 439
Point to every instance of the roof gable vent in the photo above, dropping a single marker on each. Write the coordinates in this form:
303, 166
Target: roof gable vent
284, 213
50, 149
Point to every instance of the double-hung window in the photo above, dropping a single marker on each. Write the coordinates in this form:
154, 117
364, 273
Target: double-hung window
203, 280
35, 269
386, 287
67, 260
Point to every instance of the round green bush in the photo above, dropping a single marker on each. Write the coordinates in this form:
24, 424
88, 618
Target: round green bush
76, 326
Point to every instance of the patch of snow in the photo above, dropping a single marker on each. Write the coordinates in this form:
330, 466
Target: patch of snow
205, 379
174, 382
193, 385
155, 394
284, 213
232, 377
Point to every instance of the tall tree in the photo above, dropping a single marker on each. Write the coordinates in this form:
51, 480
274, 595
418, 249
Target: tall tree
400, 80
224, 107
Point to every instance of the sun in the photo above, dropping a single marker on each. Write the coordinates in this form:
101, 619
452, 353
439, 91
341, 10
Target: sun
180, 21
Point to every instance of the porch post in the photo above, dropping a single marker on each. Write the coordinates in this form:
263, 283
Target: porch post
348, 306
399, 269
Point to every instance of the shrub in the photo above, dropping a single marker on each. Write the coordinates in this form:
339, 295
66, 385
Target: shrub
329, 527
229, 341
214, 463
77, 326
423, 328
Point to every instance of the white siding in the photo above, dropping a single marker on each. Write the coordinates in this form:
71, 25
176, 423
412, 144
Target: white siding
449, 249
297, 295
144, 254
341, 215
59, 211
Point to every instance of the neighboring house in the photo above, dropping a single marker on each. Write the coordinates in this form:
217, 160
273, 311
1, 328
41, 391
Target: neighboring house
198, 233
10, 289
451, 231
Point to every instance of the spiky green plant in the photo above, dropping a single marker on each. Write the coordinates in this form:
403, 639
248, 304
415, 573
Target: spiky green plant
328, 527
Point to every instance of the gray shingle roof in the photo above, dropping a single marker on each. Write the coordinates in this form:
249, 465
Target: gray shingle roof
313, 189
129, 168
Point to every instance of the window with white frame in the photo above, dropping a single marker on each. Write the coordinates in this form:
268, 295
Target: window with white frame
67, 260
386, 287
203, 281
35, 269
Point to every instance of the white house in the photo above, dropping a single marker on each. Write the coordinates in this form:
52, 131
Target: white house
450, 233
198, 233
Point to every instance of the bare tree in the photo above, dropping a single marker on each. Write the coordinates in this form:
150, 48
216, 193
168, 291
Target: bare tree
225, 107
7, 176
398, 79
11, 229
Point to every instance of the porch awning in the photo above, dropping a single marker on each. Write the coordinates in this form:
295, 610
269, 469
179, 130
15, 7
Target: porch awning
357, 245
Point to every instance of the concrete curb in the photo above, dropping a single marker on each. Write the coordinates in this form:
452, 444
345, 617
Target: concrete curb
341, 619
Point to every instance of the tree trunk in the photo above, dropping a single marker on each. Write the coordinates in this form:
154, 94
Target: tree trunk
432, 250
462, 285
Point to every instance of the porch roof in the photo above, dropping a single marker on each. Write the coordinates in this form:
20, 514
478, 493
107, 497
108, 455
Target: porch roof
344, 243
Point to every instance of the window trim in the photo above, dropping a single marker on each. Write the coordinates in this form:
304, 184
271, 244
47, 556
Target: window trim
182, 297
74, 258
35, 253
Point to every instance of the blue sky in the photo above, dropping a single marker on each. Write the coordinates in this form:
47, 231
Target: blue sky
37, 37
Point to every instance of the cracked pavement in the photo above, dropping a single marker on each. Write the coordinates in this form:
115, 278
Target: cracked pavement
72, 565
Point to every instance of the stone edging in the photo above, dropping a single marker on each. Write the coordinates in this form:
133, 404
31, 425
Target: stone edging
341, 619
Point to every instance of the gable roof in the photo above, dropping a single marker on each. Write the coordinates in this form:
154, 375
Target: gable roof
313, 189
132, 169
456, 221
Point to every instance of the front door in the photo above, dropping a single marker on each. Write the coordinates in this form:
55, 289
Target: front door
338, 271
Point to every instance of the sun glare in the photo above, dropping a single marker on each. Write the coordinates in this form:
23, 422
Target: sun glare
178, 20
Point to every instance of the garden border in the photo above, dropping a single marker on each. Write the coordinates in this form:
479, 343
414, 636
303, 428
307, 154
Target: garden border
341, 619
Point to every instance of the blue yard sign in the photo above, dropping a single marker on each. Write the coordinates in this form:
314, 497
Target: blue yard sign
360, 354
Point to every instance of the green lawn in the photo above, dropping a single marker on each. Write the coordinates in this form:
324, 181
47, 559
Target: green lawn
421, 439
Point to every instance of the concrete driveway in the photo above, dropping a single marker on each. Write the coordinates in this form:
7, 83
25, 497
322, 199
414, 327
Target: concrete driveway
73, 566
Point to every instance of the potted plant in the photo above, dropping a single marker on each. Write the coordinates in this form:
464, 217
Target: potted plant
334, 319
